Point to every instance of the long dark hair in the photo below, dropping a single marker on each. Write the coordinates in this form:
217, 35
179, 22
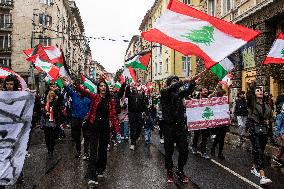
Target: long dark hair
107, 95
13, 78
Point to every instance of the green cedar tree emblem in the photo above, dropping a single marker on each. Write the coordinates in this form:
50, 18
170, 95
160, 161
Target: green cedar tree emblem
203, 35
207, 113
282, 52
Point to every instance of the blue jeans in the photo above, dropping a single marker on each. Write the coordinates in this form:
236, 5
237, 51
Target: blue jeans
124, 129
147, 134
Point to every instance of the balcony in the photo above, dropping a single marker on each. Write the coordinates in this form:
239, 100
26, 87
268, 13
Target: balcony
6, 4
6, 27
6, 50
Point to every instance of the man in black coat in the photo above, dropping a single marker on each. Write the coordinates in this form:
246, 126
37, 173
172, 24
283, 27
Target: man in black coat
174, 128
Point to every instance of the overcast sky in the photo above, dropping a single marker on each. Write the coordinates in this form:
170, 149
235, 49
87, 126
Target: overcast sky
113, 19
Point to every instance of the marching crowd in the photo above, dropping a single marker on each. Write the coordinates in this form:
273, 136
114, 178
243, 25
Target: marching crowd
112, 116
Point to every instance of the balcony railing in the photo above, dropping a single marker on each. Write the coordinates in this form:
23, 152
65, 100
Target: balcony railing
6, 4
5, 50
6, 26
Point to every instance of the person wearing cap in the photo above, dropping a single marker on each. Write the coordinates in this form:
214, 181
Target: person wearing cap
174, 128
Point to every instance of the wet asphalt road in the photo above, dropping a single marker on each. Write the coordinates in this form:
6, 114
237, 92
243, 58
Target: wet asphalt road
141, 169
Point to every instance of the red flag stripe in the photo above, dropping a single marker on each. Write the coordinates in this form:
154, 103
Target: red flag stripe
280, 36
269, 60
234, 30
185, 48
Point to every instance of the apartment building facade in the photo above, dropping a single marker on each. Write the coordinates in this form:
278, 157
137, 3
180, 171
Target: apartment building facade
265, 16
25, 24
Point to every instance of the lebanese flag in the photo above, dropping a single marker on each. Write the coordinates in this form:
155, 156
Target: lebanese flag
4, 72
130, 74
223, 71
49, 54
193, 32
89, 84
139, 61
276, 53
54, 54
51, 70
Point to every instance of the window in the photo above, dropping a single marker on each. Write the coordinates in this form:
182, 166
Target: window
156, 68
6, 2
5, 20
45, 20
227, 6
5, 41
211, 7
161, 67
46, 41
5, 61
167, 65
186, 65
186, 2
47, 2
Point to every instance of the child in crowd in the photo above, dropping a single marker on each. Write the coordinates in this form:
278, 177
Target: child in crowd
148, 127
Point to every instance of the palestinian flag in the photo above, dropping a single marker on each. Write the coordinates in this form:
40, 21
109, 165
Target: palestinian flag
276, 53
4, 72
89, 84
51, 70
222, 70
193, 32
139, 61
129, 73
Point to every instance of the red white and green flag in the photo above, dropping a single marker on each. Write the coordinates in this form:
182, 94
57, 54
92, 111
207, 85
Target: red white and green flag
117, 85
276, 53
139, 61
51, 70
193, 32
89, 84
223, 71
49, 54
130, 74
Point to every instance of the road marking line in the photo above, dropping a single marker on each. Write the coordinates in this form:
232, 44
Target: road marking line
236, 174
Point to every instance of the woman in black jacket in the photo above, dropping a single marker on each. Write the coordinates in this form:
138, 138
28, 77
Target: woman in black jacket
259, 115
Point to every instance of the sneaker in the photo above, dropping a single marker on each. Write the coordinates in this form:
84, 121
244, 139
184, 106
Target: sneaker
132, 147
182, 177
28, 155
93, 182
162, 141
170, 177
264, 180
194, 151
85, 157
100, 175
205, 156
277, 161
254, 172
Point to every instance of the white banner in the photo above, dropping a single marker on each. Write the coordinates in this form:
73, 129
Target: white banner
207, 112
16, 110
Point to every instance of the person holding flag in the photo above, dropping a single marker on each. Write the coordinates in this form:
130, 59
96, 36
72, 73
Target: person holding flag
174, 129
80, 108
102, 112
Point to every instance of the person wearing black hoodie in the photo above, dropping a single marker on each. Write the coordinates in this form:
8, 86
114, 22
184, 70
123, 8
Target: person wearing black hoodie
136, 106
174, 128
